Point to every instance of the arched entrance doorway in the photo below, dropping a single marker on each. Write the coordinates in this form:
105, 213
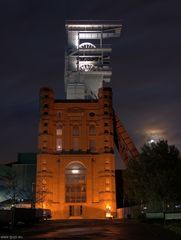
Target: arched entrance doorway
75, 188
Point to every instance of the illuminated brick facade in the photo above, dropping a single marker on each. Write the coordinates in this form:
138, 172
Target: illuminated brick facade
76, 162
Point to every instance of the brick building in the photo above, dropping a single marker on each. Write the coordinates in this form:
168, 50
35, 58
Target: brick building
76, 161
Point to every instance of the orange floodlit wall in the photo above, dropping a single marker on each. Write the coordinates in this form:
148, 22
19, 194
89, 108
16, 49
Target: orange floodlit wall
76, 162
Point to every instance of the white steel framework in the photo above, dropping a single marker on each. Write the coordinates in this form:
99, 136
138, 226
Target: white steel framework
87, 58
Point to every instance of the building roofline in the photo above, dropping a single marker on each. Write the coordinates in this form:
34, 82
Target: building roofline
76, 101
96, 23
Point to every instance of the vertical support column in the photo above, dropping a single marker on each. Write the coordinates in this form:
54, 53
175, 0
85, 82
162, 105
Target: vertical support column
46, 129
102, 46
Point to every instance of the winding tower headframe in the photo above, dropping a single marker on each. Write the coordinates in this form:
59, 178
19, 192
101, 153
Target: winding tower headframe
87, 57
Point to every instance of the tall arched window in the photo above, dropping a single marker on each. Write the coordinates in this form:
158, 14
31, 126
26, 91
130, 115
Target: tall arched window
75, 130
92, 130
59, 129
75, 183
59, 137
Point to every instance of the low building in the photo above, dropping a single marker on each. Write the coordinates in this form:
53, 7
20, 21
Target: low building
17, 180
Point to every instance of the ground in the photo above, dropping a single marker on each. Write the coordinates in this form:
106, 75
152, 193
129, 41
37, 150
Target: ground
93, 229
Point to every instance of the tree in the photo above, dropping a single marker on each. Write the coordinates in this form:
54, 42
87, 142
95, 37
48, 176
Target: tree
155, 177
9, 185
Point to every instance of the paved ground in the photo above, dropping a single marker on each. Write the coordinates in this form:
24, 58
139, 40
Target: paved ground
95, 230
107, 230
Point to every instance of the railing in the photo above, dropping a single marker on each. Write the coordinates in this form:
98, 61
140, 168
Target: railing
97, 47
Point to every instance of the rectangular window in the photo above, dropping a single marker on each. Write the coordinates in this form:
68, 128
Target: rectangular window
107, 181
75, 130
59, 114
44, 144
45, 105
44, 168
59, 144
59, 132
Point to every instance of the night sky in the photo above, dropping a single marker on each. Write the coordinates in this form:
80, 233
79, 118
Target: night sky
146, 62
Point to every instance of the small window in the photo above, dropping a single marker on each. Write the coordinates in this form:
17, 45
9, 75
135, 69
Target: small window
44, 182
45, 124
75, 130
45, 105
107, 168
107, 149
45, 131
107, 161
45, 113
44, 168
105, 96
106, 113
106, 131
106, 124
44, 189
44, 144
106, 105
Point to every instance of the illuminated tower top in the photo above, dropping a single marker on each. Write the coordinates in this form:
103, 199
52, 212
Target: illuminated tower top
87, 58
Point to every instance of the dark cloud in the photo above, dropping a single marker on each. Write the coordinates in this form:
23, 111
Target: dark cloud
145, 60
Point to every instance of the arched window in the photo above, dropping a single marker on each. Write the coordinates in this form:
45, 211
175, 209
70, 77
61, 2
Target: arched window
75, 130
75, 183
92, 130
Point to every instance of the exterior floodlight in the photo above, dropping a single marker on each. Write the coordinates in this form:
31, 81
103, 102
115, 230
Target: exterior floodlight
75, 171
108, 211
